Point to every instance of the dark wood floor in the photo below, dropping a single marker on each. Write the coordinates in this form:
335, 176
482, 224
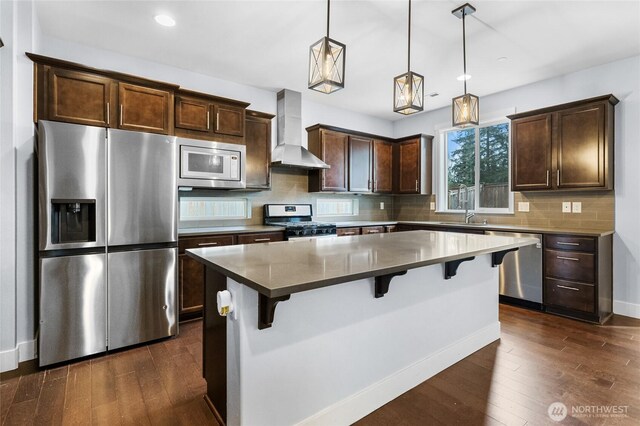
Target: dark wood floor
540, 359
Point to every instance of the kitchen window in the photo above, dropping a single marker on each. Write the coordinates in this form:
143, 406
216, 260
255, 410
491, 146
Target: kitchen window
474, 169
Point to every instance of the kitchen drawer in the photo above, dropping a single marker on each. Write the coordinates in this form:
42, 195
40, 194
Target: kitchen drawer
263, 237
372, 230
569, 295
567, 242
570, 265
200, 242
347, 231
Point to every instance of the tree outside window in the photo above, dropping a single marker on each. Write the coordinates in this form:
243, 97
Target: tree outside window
477, 167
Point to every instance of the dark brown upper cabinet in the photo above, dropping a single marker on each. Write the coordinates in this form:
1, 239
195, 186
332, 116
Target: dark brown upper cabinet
81, 98
332, 148
258, 141
202, 116
382, 166
144, 109
193, 114
531, 153
413, 158
564, 147
229, 120
360, 164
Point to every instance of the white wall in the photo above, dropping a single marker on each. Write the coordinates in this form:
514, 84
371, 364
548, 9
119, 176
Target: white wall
16, 187
621, 79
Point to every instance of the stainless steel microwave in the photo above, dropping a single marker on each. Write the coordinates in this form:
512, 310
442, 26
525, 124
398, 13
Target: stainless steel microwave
206, 164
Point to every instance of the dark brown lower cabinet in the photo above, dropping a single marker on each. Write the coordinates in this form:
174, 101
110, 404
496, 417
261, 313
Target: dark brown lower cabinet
191, 274
578, 277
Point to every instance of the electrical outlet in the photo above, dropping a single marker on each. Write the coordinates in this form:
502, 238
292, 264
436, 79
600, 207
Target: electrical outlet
381, 205
432, 205
577, 207
523, 206
566, 207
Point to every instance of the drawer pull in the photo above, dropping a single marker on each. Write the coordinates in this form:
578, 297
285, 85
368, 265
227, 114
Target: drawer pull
567, 287
348, 233
373, 231
560, 243
573, 259
207, 244
259, 240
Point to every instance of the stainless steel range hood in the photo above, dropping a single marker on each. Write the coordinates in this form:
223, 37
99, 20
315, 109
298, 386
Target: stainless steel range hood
289, 152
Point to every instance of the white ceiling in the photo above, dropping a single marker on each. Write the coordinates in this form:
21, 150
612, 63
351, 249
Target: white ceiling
265, 43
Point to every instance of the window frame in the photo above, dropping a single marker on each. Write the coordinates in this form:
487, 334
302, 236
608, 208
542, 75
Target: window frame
441, 171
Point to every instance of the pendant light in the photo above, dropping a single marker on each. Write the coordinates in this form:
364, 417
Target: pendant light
408, 88
326, 62
466, 108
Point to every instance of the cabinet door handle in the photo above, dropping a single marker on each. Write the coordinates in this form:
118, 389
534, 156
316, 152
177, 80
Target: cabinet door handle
217, 121
560, 243
547, 177
108, 113
207, 244
259, 240
208, 120
558, 177
567, 287
573, 259
416, 185
369, 184
375, 185
121, 114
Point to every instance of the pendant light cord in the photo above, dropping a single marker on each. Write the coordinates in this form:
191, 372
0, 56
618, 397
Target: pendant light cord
409, 41
328, 15
464, 52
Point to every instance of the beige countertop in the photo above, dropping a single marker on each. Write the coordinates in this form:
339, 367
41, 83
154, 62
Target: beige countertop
359, 223
282, 268
191, 232
512, 228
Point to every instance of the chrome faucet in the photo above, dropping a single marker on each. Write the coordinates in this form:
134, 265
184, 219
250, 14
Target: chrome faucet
467, 215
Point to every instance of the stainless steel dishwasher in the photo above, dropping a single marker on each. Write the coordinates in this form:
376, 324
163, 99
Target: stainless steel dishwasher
521, 272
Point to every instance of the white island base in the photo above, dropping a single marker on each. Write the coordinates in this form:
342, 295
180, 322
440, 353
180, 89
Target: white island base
335, 354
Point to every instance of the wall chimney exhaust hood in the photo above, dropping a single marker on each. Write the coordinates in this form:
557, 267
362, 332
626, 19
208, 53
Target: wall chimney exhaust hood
289, 152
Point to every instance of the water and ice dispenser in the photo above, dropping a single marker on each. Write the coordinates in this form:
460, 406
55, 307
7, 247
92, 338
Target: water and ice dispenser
73, 221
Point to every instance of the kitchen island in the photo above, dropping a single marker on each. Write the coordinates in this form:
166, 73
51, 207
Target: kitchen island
359, 321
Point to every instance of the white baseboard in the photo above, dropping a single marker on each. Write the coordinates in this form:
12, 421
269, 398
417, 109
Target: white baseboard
25, 351
357, 406
627, 309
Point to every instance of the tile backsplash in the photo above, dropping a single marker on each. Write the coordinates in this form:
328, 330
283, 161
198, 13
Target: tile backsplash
291, 186
545, 210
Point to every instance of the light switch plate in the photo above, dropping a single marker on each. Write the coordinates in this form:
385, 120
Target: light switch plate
381, 205
577, 207
432, 205
523, 206
566, 207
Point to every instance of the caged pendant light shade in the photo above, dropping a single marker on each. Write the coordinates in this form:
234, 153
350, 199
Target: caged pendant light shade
465, 108
408, 88
327, 62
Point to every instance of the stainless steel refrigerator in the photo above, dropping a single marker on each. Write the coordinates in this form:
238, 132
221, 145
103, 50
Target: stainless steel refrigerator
107, 239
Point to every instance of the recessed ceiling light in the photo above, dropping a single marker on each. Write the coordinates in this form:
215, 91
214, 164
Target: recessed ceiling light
165, 20
464, 77
502, 59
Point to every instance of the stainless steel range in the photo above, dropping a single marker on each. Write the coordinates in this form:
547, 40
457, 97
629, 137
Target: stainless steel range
297, 221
